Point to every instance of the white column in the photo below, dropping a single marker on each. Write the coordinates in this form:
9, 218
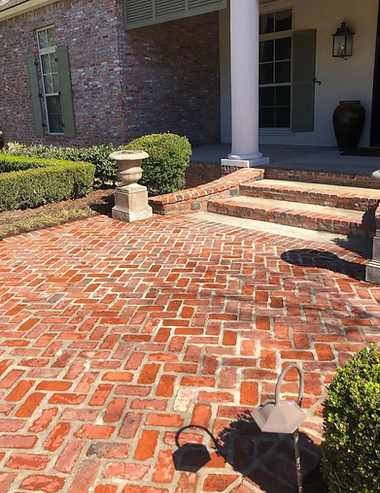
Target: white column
245, 85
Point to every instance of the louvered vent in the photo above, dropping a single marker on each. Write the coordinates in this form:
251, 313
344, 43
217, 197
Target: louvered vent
139, 13
195, 4
167, 7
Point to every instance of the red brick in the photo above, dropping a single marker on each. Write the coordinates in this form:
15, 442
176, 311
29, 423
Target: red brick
148, 374
130, 472
105, 488
100, 395
69, 456
17, 441
147, 445
144, 489
48, 484
218, 482
198, 382
165, 387
85, 478
6, 480
67, 398
130, 425
53, 385
36, 462
19, 392
164, 420
41, 423
91, 432
11, 425
56, 436
201, 415
30, 405
249, 393
165, 467
12, 377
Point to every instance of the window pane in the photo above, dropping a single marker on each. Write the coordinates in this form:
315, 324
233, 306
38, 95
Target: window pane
266, 117
266, 73
283, 96
51, 36
266, 23
283, 117
283, 71
266, 96
43, 39
54, 114
45, 59
283, 49
283, 20
53, 62
48, 82
266, 51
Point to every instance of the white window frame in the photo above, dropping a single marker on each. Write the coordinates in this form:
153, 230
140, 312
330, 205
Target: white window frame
286, 131
41, 52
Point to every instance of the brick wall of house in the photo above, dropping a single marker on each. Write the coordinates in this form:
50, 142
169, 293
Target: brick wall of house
126, 84
171, 78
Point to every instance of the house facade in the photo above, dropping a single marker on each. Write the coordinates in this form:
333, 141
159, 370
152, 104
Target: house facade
82, 72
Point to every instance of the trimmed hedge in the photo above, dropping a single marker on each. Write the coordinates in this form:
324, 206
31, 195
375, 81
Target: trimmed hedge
351, 446
164, 170
105, 168
169, 157
31, 182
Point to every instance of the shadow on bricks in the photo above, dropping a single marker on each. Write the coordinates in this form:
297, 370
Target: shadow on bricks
265, 460
324, 260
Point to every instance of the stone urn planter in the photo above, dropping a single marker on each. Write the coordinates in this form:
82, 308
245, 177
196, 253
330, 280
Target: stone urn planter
131, 200
348, 121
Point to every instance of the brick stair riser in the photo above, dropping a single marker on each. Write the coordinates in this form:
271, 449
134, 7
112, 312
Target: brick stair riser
308, 197
288, 218
362, 181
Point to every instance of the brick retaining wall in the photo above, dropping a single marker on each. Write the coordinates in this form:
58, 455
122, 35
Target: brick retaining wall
195, 199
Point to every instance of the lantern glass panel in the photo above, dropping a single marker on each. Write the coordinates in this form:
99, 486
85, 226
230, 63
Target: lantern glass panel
349, 43
339, 46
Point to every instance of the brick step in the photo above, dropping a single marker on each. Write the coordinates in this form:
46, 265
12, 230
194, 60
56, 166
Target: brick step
307, 216
343, 197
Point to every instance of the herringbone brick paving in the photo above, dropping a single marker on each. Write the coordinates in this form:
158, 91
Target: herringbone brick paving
113, 336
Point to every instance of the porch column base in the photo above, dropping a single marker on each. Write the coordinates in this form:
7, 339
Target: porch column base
245, 163
372, 273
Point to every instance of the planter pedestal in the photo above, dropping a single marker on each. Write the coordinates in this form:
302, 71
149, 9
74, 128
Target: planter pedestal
372, 272
131, 200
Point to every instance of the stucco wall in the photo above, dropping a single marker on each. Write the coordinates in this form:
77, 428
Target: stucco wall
341, 79
126, 84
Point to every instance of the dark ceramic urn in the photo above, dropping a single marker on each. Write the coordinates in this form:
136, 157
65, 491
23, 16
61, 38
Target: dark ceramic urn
348, 121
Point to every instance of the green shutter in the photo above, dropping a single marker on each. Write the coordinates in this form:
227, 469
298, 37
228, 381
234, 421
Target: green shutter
66, 91
139, 13
303, 86
35, 95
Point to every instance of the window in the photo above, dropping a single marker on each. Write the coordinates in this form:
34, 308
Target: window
50, 80
275, 70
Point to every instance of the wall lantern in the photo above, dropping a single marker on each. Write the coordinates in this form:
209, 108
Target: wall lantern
342, 42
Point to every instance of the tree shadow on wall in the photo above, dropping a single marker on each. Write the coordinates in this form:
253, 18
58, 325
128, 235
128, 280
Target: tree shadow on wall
324, 260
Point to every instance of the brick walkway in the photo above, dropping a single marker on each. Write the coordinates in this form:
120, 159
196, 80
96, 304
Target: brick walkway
113, 336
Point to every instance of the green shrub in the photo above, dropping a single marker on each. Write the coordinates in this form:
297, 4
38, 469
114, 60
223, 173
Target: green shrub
34, 182
351, 446
169, 156
105, 168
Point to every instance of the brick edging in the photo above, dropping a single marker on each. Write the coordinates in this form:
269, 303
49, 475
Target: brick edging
330, 178
195, 199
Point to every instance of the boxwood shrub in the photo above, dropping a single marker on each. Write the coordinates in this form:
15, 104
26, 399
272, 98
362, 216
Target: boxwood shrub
351, 446
169, 156
105, 168
32, 182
